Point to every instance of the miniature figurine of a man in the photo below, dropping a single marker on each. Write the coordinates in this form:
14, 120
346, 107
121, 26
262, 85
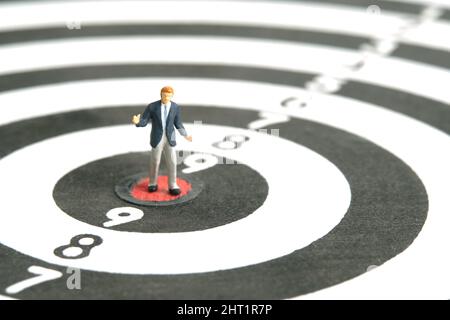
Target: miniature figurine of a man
164, 114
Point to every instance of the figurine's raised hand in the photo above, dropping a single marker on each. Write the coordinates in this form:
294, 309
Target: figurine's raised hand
136, 119
188, 138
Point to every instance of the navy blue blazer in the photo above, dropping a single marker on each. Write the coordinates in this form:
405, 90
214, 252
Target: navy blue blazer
153, 113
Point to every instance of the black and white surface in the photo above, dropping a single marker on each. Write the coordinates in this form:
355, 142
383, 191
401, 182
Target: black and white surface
333, 116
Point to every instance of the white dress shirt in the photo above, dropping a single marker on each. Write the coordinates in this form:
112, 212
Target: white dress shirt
163, 119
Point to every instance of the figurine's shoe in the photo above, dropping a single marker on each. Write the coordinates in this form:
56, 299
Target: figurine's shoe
175, 191
152, 188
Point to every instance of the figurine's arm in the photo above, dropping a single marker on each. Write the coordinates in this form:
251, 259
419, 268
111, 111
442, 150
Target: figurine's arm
142, 121
179, 125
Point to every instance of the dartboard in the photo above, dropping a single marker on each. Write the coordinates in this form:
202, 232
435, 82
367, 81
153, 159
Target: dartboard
318, 168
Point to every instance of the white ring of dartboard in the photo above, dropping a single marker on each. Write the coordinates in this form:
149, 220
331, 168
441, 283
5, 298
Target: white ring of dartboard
284, 277
296, 273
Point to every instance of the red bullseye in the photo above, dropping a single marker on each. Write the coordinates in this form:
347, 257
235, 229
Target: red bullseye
140, 190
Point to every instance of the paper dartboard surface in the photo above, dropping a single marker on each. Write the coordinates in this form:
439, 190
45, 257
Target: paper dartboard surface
318, 166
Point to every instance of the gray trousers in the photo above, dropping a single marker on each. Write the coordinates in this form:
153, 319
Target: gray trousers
170, 156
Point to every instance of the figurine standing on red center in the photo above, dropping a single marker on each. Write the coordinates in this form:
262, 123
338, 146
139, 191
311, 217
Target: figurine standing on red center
164, 114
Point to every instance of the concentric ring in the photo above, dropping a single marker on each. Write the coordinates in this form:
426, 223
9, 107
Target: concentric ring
383, 189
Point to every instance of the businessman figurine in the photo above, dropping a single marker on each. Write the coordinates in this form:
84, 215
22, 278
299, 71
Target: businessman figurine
164, 114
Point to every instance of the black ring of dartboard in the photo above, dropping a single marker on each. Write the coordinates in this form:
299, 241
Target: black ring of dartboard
387, 211
417, 53
96, 182
432, 112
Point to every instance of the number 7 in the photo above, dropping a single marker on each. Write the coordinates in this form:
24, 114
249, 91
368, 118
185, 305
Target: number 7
43, 275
